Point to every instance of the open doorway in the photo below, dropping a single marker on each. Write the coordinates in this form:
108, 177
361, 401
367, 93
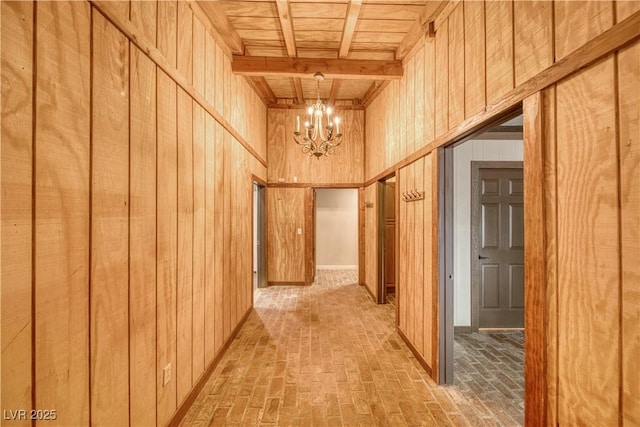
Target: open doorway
387, 222
336, 233
259, 236
482, 265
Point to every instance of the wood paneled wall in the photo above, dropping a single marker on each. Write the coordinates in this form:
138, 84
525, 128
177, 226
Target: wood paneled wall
286, 160
591, 138
480, 52
126, 214
417, 261
371, 239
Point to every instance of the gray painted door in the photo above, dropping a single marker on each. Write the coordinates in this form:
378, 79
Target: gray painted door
498, 248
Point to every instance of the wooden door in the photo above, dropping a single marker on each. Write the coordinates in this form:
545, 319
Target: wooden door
390, 235
261, 237
497, 254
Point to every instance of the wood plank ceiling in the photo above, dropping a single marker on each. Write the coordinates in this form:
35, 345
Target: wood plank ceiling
357, 44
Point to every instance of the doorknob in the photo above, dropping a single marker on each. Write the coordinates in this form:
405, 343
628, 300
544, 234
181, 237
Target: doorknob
482, 257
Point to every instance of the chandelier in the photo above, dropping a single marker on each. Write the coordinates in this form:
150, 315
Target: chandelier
321, 134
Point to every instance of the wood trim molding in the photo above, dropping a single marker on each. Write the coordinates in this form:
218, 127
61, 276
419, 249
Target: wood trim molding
218, 18
195, 391
349, 27
535, 263
262, 87
374, 90
284, 16
137, 38
415, 352
615, 38
307, 67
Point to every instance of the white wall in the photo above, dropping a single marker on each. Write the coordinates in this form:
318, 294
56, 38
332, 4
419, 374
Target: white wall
475, 150
336, 228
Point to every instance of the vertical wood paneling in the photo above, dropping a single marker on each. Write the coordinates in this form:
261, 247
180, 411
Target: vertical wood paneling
199, 58
624, 9
418, 116
551, 242
227, 290
410, 284
199, 245
402, 116
143, 17
442, 80
456, 65
588, 278
285, 248
577, 22
218, 225
185, 40
429, 304
429, 91
629, 149
62, 173
16, 170
219, 77
401, 285
210, 309
142, 240
184, 294
209, 85
410, 106
474, 57
234, 197
418, 257
371, 239
167, 244
499, 48
109, 289
533, 38
167, 30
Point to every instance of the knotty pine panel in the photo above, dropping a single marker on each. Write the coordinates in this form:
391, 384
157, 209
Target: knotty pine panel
227, 289
430, 289
142, 240
166, 43
624, 9
220, 216
184, 295
418, 256
200, 242
401, 285
429, 114
287, 160
588, 279
285, 248
109, 297
577, 22
456, 65
16, 175
533, 38
499, 48
410, 283
185, 40
61, 239
143, 16
210, 249
371, 238
629, 147
410, 107
419, 100
474, 57
441, 80
167, 244
402, 116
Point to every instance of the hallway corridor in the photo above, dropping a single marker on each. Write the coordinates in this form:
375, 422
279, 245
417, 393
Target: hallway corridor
327, 355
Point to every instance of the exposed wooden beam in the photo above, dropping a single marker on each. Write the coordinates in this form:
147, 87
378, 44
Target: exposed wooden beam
420, 27
349, 27
216, 15
297, 84
373, 91
286, 24
263, 88
335, 87
307, 67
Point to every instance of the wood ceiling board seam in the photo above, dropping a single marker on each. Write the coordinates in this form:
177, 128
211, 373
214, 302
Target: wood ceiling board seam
319, 10
332, 68
349, 27
253, 9
284, 15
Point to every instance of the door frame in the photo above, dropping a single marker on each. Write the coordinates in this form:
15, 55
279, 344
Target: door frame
261, 230
476, 165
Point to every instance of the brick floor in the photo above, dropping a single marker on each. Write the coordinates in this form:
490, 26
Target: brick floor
326, 355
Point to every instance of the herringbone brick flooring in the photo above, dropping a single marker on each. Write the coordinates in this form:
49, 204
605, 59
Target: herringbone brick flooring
326, 355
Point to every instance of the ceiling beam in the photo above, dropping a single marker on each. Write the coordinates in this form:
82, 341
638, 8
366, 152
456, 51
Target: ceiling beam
263, 88
307, 67
284, 14
297, 84
419, 28
349, 27
335, 87
218, 18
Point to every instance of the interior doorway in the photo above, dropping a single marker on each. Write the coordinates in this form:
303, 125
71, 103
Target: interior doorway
481, 264
387, 223
259, 236
336, 230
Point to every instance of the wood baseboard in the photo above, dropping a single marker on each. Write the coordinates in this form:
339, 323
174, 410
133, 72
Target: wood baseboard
288, 284
415, 352
184, 407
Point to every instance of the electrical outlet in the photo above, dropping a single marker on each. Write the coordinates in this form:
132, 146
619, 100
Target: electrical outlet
166, 375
